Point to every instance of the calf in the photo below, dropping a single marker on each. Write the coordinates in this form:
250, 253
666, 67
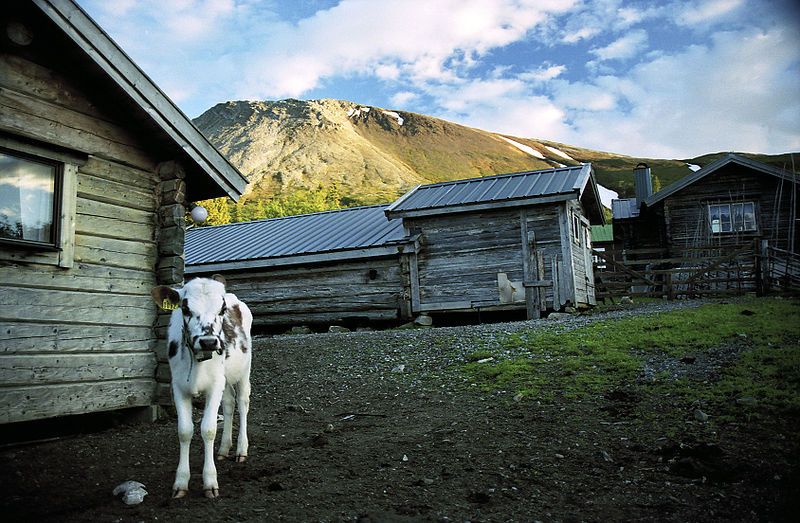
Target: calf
210, 351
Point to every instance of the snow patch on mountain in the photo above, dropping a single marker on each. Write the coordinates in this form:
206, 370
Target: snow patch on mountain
559, 152
524, 148
355, 112
394, 115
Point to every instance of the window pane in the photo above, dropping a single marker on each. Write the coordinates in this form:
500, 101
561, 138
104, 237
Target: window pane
738, 217
714, 218
725, 218
749, 216
27, 190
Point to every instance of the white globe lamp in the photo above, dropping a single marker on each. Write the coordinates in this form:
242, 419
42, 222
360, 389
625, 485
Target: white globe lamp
199, 214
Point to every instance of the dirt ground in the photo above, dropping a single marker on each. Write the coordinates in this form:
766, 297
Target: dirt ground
380, 426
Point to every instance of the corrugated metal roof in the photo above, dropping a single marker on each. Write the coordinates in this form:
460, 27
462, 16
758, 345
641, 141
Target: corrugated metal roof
355, 228
624, 208
504, 187
714, 166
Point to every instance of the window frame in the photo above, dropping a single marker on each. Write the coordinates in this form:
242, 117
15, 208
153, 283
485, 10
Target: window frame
61, 251
730, 208
577, 230
58, 189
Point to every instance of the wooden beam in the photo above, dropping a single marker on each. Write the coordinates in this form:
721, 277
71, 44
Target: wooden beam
300, 259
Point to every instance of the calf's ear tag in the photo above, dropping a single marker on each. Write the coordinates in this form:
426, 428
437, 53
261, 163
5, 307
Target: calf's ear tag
168, 305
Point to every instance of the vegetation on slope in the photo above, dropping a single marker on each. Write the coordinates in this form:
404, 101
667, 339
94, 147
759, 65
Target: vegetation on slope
647, 357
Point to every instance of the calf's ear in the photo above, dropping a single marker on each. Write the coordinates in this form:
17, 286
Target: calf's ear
166, 297
220, 278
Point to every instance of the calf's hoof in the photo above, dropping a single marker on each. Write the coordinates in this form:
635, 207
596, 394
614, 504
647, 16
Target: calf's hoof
211, 493
179, 493
222, 457
241, 459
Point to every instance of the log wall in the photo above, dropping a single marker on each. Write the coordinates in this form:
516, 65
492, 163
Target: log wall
462, 254
323, 294
78, 337
686, 218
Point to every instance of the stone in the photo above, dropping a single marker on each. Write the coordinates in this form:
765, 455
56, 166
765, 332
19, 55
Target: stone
301, 329
558, 316
132, 492
409, 325
626, 300
699, 415
424, 320
338, 329
398, 369
570, 310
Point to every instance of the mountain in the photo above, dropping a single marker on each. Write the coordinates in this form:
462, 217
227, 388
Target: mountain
373, 155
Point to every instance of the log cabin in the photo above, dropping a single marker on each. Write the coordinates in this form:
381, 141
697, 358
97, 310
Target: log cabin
337, 267
729, 203
97, 167
518, 241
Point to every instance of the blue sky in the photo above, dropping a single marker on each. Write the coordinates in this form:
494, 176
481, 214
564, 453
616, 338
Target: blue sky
672, 79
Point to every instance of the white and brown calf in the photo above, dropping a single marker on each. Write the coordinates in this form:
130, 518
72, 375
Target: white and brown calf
210, 351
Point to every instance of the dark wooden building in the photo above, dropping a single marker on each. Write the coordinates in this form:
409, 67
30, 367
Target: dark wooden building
728, 228
96, 169
730, 202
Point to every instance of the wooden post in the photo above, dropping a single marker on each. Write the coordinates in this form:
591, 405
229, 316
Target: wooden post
760, 263
529, 269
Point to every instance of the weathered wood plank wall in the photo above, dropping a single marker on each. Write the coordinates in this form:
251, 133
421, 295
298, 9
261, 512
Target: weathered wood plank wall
79, 339
462, 254
328, 294
686, 212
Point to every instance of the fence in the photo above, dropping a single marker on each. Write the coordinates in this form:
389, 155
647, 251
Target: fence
695, 271
781, 269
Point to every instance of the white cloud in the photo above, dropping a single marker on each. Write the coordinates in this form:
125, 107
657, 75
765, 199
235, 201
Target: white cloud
433, 40
543, 74
729, 90
624, 47
701, 12
402, 98
739, 93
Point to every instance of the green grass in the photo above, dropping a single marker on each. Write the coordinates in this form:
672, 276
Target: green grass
607, 355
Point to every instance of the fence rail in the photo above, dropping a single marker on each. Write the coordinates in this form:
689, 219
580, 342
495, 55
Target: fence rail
694, 272
782, 270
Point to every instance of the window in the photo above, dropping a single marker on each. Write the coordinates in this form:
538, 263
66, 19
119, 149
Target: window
29, 200
38, 196
732, 217
576, 229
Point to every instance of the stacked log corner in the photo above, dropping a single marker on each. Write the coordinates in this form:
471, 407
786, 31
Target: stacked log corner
170, 267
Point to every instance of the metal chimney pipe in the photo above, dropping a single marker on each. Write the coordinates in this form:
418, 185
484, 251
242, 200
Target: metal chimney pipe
642, 183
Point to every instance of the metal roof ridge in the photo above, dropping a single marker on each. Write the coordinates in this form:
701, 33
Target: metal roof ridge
293, 216
498, 176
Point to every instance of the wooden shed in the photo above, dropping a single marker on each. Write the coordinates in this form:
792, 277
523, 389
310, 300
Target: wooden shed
510, 241
728, 203
96, 168
337, 267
